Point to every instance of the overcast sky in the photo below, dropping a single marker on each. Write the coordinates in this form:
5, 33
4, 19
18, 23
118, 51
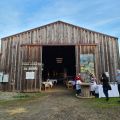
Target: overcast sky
98, 15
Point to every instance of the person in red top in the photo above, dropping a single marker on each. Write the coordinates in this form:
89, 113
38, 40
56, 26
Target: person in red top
77, 85
78, 77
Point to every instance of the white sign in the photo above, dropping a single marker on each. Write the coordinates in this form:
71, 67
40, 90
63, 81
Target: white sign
30, 75
1, 76
30, 68
31, 63
5, 78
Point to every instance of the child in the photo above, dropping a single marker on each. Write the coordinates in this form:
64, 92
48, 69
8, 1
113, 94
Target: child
78, 86
97, 91
92, 84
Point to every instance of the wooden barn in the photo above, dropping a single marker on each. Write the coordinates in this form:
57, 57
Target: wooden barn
54, 51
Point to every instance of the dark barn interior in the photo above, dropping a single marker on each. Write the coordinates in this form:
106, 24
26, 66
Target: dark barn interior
58, 62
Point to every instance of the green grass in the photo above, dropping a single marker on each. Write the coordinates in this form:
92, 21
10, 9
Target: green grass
27, 95
102, 103
93, 102
21, 98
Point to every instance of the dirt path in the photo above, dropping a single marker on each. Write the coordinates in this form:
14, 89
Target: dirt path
57, 106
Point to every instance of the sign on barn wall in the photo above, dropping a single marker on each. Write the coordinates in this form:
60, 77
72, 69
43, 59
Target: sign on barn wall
4, 77
1, 76
30, 69
30, 66
30, 75
31, 63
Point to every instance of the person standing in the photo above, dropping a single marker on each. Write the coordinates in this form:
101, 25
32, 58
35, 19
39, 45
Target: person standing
118, 80
105, 83
92, 84
97, 91
77, 84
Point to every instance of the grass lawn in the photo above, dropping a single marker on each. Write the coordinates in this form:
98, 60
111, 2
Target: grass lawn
94, 102
21, 97
51, 106
102, 103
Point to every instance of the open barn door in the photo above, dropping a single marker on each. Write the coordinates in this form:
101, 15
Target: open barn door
31, 68
58, 62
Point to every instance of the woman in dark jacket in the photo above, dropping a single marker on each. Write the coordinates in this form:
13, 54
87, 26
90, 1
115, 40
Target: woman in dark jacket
105, 83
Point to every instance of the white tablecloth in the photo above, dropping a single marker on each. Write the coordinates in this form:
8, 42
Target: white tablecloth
48, 84
112, 93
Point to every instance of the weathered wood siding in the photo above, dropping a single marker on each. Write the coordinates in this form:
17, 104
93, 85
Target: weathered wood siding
58, 33
33, 56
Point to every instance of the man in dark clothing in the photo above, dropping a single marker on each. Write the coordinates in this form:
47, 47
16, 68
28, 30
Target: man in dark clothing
105, 83
118, 80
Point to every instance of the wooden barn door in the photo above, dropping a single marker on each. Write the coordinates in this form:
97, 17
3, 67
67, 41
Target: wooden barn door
31, 68
87, 60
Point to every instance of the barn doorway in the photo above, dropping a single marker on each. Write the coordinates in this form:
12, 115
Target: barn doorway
58, 62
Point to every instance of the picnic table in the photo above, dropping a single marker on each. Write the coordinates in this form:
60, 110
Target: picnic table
54, 81
47, 84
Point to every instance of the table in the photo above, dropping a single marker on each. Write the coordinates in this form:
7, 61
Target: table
47, 84
54, 81
112, 93
85, 90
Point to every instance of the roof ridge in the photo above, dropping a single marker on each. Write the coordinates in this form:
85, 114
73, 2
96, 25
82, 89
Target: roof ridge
60, 21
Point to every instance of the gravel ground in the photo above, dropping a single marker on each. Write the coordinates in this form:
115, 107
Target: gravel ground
57, 105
